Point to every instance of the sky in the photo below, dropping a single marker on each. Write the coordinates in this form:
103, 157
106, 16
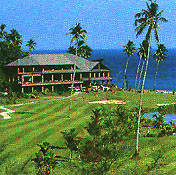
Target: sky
109, 23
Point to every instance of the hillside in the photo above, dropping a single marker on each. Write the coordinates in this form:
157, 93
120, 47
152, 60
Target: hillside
35, 123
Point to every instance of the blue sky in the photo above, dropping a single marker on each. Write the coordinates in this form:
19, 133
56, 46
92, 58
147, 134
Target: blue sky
109, 23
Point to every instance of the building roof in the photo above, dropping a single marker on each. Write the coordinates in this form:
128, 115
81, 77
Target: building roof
55, 59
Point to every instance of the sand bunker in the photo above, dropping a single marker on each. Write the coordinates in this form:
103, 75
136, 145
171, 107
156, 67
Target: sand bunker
163, 104
112, 101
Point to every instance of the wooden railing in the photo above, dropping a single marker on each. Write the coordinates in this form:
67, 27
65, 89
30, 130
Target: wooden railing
97, 78
50, 83
49, 71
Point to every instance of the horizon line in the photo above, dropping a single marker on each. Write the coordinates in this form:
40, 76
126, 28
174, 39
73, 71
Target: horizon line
93, 49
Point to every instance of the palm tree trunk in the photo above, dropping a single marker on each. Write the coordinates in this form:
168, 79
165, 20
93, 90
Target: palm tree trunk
124, 79
137, 72
74, 72
139, 83
141, 97
156, 74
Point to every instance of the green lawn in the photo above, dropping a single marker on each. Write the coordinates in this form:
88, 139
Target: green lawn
35, 123
2, 110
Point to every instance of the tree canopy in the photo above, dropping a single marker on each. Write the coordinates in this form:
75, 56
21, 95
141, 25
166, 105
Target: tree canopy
77, 45
11, 46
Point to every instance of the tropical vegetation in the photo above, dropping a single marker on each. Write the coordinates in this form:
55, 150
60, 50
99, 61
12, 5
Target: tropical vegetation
142, 53
129, 49
147, 18
31, 44
11, 50
159, 55
98, 139
77, 44
47, 121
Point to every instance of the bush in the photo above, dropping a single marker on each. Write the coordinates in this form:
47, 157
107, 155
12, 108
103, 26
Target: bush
36, 93
46, 160
106, 130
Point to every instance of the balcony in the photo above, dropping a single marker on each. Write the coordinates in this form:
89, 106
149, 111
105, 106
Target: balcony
97, 78
50, 71
51, 83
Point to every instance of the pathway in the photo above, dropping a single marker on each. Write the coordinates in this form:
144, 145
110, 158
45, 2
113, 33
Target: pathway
5, 114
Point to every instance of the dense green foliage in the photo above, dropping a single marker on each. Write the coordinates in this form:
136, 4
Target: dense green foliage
10, 46
78, 46
10, 50
33, 124
46, 160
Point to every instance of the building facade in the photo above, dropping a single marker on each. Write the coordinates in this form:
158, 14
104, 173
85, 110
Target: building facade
55, 72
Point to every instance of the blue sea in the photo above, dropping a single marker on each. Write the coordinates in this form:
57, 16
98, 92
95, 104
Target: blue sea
116, 60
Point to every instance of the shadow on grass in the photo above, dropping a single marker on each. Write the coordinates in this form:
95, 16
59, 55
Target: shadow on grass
25, 112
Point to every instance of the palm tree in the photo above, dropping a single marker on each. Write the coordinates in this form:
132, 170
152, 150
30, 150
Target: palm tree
2, 32
79, 37
78, 34
139, 63
129, 49
147, 18
160, 55
85, 51
143, 54
82, 50
31, 44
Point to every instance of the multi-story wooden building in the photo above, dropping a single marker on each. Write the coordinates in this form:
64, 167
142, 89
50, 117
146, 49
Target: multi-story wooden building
55, 72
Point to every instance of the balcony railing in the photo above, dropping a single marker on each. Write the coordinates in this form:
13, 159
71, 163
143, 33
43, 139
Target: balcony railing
50, 83
50, 71
97, 78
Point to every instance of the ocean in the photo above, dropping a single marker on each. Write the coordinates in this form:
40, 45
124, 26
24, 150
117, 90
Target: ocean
116, 60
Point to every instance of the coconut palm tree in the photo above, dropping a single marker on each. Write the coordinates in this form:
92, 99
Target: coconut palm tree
2, 32
139, 63
160, 55
143, 54
148, 18
31, 44
78, 34
85, 51
79, 37
129, 49
82, 50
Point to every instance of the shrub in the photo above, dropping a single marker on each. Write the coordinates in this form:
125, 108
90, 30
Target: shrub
46, 160
71, 140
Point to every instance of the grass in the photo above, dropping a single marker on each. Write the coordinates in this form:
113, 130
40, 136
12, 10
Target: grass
2, 110
35, 123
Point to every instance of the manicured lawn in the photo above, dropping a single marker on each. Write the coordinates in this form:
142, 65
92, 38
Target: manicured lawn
2, 110
32, 124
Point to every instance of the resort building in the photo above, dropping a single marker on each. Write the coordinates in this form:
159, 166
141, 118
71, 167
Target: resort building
55, 72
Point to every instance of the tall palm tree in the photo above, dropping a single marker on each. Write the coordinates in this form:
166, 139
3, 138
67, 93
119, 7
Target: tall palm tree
147, 18
129, 49
79, 37
78, 34
31, 44
160, 55
139, 63
143, 54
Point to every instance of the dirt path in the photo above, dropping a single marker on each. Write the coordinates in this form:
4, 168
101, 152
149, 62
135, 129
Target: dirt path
112, 101
5, 114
